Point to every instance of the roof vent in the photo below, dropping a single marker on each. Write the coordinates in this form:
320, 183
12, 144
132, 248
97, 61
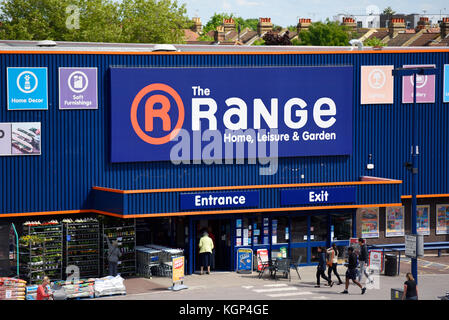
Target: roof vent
46, 43
164, 47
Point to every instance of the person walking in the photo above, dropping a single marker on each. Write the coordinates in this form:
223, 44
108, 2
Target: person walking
333, 262
206, 246
363, 260
114, 255
42, 290
410, 288
321, 268
351, 273
211, 235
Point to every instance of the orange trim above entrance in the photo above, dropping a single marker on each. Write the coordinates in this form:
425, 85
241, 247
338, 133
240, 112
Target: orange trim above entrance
293, 185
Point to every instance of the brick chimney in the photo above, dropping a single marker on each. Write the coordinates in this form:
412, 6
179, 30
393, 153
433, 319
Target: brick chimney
264, 25
229, 25
349, 22
444, 27
197, 26
219, 34
303, 24
396, 25
423, 23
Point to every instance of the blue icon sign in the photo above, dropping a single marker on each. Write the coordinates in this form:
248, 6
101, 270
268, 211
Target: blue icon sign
27, 89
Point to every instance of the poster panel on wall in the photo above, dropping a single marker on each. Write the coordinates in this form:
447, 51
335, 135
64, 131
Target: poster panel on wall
446, 83
377, 85
370, 222
422, 220
5, 139
20, 138
394, 222
442, 219
425, 87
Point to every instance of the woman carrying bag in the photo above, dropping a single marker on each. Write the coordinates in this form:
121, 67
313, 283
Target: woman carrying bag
332, 262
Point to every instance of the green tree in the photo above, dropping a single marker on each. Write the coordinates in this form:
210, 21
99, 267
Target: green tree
32, 20
217, 20
150, 21
153, 21
330, 33
388, 11
374, 42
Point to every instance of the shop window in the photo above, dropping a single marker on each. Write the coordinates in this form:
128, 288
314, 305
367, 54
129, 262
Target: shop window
296, 252
257, 231
243, 232
299, 229
342, 226
318, 228
280, 232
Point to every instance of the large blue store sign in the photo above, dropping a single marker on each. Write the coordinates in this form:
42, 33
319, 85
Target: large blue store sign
318, 196
27, 89
219, 200
160, 114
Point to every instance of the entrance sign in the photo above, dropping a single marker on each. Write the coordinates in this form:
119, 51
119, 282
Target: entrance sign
318, 196
201, 201
206, 113
78, 88
425, 87
244, 261
27, 88
376, 85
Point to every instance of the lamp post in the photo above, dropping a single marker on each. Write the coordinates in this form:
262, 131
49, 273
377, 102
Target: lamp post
401, 72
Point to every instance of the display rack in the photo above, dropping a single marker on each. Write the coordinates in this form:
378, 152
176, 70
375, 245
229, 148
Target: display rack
82, 247
124, 232
42, 254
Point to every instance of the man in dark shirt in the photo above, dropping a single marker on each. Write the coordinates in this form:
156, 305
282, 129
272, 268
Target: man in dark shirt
363, 260
351, 273
321, 268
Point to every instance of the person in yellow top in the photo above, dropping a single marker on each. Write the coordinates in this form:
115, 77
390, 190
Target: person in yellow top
206, 245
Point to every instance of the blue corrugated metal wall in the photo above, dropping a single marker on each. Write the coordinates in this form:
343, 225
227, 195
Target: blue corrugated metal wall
75, 144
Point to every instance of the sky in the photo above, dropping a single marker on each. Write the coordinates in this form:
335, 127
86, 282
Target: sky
287, 12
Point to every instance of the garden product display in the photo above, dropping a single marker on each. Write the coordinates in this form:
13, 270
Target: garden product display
82, 246
109, 286
12, 289
124, 233
41, 251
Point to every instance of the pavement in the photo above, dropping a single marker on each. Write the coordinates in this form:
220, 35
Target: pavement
433, 281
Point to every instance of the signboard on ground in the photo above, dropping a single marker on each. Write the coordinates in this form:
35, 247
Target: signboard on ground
244, 261
263, 254
376, 261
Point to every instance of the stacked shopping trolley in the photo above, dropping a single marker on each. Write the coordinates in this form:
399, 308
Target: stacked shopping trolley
155, 260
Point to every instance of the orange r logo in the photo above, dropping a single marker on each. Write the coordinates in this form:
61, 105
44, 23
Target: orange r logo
162, 113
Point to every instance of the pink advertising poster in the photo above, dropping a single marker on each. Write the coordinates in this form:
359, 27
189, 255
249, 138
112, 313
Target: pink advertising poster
425, 87
377, 85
